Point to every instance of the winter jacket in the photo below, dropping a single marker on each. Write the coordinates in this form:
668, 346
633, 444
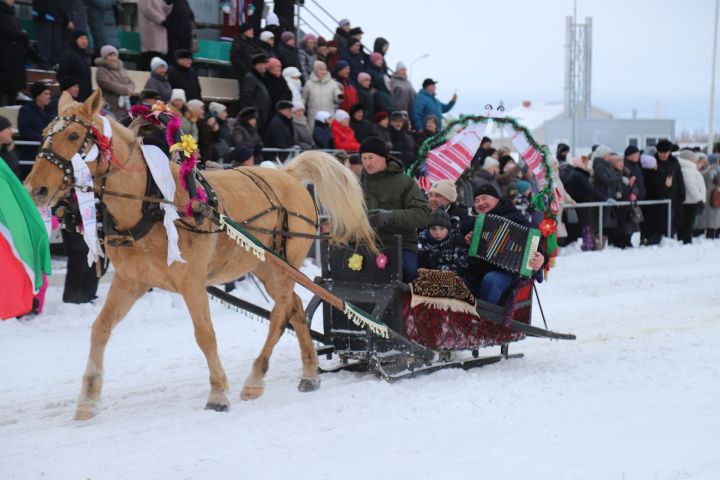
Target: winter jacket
676, 192
403, 146
607, 179
378, 78
101, 20
264, 48
577, 184
323, 136
457, 214
277, 88
356, 64
13, 45
247, 135
362, 129
450, 254
382, 101
187, 79
241, 53
695, 190
392, 190
303, 135
179, 25
288, 56
307, 59
75, 62
50, 11
254, 93
115, 83
153, 35
344, 137
341, 38
32, 121
365, 97
710, 218
425, 105
403, 93
321, 95
7, 153
636, 171
383, 134
279, 133
350, 94
160, 85
380, 46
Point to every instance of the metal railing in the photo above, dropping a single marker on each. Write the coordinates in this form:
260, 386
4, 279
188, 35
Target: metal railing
603, 205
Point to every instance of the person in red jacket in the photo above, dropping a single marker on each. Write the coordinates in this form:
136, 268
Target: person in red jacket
343, 136
350, 93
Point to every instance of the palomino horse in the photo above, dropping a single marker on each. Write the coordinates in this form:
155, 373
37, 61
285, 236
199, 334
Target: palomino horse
211, 258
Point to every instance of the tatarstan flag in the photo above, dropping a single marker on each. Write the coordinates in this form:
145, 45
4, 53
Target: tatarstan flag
24, 246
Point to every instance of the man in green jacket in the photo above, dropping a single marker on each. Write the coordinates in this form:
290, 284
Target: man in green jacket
395, 203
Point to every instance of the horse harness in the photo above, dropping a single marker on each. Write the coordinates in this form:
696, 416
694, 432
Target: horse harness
150, 209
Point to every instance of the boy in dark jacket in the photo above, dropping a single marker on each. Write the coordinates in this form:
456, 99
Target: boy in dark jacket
439, 250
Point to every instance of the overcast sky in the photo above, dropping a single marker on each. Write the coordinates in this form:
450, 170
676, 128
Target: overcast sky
651, 55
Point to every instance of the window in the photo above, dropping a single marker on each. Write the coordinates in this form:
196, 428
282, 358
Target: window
633, 141
652, 140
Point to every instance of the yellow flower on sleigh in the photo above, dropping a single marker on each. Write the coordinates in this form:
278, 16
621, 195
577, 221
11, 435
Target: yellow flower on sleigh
355, 262
187, 144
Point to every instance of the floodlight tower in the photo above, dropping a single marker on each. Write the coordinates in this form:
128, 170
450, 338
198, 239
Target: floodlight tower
578, 71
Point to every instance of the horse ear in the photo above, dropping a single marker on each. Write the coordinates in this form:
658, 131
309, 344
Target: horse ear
65, 101
93, 104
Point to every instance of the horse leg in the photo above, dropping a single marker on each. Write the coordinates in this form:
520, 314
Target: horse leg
310, 379
197, 303
121, 297
280, 289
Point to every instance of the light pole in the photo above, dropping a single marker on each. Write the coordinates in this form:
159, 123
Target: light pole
711, 127
412, 64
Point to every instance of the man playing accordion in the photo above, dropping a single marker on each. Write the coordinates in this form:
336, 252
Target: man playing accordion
485, 281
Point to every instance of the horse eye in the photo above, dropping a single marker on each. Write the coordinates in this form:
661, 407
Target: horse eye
73, 137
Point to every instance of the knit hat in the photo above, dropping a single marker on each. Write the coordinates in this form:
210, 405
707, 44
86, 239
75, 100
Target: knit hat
266, 35
522, 186
4, 123
216, 108
648, 161
664, 146
309, 36
37, 88
178, 94
195, 104
245, 27
286, 37
149, 94
272, 19
400, 66
439, 218
374, 145
241, 153
259, 58
356, 31
356, 108
486, 189
298, 106
156, 62
67, 82
380, 116
273, 62
343, 22
319, 64
630, 150
107, 50
341, 115
77, 34
490, 162
686, 154
247, 113
352, 42
291, 72
182, 53
363, 76
601, 151
340, 65
445, 188
322, 116
376, 57
283, 104
322, 42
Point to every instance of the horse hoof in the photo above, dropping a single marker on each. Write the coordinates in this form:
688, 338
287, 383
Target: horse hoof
217, 407
251, 393
309, 384
84, 412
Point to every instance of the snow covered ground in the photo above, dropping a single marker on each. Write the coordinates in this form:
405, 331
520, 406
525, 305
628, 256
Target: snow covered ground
635, 397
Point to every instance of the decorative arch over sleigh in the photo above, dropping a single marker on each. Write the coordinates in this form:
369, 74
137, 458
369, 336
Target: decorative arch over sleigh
448, 155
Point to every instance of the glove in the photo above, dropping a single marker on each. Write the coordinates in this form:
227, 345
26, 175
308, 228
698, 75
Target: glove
611, 201
380, 219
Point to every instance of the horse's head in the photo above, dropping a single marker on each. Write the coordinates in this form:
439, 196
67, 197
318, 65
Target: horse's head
65, 136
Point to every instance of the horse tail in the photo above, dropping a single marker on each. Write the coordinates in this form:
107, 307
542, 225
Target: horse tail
339, 192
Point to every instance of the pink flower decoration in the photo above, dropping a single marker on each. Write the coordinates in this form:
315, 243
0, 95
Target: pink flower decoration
381, 261
173, 127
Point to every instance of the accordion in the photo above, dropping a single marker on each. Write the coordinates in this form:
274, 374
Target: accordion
504, 244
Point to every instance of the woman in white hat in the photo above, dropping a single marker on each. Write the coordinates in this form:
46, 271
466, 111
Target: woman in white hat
111, 76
